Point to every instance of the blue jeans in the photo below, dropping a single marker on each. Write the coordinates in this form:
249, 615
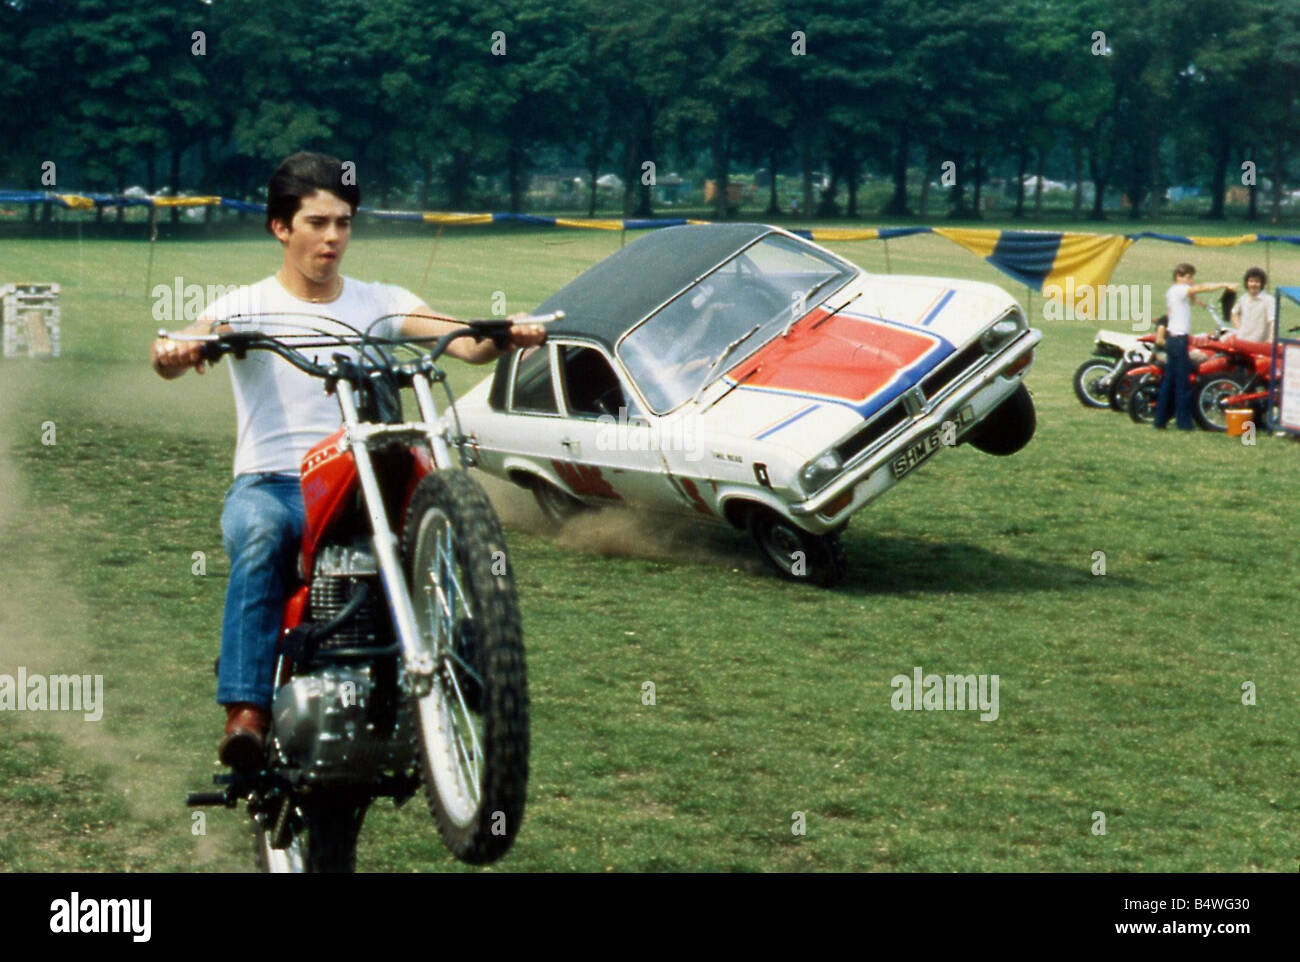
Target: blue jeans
1176, 385
261, 527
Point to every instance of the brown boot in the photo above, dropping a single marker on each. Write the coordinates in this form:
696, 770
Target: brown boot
243, 748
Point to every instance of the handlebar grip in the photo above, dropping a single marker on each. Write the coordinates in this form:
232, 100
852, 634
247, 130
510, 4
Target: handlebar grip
194, 799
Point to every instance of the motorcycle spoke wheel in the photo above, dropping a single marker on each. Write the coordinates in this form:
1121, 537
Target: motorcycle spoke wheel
318, 835
472, 725
1207, 409
1092, 382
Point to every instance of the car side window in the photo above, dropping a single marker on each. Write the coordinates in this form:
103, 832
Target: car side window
534, 391
591, 388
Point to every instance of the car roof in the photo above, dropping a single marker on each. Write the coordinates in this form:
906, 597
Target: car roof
610, 298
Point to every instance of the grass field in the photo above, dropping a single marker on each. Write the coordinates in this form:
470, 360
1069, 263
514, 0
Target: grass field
1119, 694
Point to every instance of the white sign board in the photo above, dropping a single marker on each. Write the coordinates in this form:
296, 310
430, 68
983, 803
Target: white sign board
1289, 415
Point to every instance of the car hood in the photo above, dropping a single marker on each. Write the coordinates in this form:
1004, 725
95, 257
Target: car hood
848, 359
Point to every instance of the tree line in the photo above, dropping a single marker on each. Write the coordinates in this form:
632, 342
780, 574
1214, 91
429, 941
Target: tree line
428, 99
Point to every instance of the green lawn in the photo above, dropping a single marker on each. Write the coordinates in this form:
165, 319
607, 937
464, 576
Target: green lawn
1119, 694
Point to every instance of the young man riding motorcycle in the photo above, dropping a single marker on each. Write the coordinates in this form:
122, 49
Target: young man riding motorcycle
282, 412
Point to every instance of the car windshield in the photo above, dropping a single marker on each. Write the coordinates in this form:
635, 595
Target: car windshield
678, 350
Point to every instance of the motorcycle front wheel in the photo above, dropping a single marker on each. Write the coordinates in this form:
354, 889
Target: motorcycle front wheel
1092, 382
1142, 402
473, 723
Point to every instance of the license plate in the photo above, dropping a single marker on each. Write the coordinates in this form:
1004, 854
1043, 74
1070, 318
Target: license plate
945, 435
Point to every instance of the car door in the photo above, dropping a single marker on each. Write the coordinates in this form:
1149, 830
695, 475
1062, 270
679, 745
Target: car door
606, 448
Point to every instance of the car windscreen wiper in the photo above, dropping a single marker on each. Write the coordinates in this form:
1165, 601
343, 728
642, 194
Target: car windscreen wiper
726, 352
806, 299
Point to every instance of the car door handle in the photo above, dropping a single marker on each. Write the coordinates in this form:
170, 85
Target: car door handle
573, 447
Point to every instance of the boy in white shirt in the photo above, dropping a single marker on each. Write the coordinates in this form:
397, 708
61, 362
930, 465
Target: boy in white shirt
1175, 386
282, 412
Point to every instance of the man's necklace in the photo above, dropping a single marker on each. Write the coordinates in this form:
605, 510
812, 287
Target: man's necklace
338, 289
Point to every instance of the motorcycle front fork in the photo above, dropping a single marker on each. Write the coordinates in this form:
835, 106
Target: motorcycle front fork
417, 662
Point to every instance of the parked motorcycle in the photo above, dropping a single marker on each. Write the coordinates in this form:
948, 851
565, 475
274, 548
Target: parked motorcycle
1113, 354
401, 658
1245, 384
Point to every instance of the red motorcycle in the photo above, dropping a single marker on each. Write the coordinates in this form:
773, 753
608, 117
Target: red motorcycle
401, 659
1245, 384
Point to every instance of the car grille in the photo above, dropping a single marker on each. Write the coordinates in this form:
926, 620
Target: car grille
950, 370
882, 424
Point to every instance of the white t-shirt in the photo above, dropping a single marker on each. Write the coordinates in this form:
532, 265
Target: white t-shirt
1179, 309
1257, 315
281, 411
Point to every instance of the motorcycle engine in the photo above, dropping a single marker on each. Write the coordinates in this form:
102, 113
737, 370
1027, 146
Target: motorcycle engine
325, 726
337, 722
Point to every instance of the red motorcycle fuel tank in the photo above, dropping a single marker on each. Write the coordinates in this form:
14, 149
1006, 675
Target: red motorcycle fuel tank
329, 479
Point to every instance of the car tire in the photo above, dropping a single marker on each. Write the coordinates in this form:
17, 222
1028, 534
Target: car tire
557, 506
1086, 378
1008, 427
796, 554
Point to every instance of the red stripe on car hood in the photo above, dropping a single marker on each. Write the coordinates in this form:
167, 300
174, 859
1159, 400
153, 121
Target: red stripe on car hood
834, 355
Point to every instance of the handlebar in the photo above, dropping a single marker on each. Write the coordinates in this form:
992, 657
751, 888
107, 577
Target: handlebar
239, 343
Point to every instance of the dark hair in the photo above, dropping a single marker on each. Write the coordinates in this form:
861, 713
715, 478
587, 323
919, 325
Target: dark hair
301, 175
1257, 272
1184, 268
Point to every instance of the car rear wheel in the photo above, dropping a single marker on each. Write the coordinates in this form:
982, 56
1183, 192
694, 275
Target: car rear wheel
796, 554
558, 506
1008, 427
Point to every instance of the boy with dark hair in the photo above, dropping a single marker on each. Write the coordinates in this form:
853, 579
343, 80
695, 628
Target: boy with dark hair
1175, 386
282, 412
1254, 314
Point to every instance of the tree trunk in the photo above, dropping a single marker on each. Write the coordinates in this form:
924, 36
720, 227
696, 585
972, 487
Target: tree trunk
1220, 182
721, 165
1022, 165
897, 204
1278, 153
515, 177
925, 182
426, 168
1038, 186
458, 180
852, 167
174, 179
1078, 180
805, 161
1098, 185
773, 205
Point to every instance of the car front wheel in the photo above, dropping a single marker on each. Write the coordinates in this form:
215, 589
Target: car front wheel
796, 554
1008, 427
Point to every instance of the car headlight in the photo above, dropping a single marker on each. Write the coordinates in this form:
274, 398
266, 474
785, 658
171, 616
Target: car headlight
997, 335
814, 475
